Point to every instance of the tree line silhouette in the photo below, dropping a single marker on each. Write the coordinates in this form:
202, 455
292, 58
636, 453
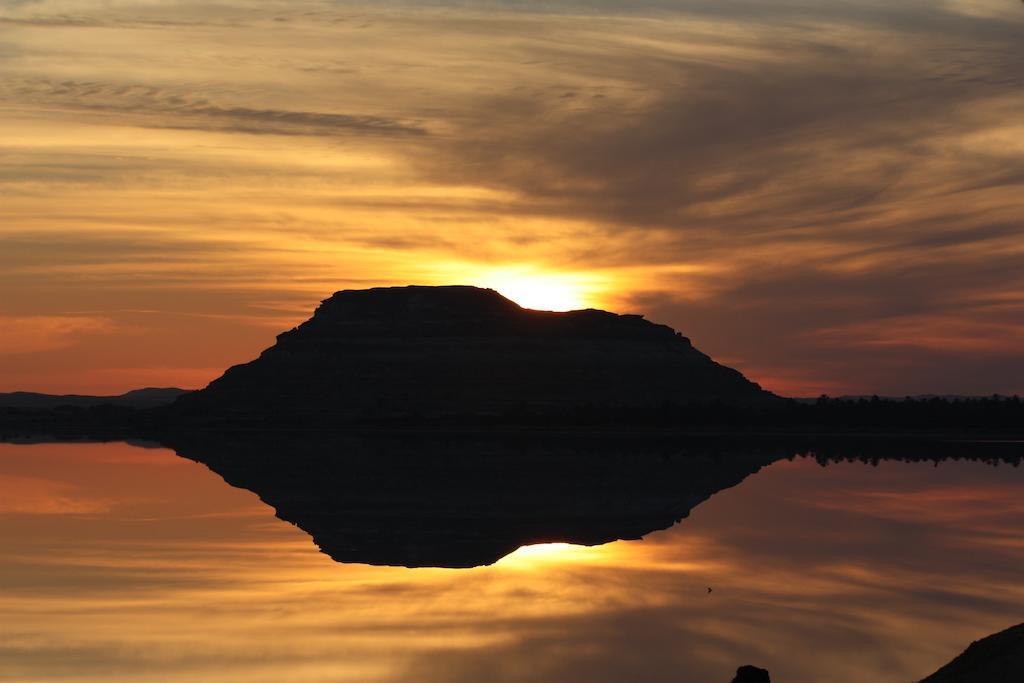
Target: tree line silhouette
990, 416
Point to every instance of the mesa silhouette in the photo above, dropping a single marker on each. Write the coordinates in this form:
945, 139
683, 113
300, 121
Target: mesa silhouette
409, 353
461, 356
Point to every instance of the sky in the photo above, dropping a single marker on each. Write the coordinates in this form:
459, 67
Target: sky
827, 195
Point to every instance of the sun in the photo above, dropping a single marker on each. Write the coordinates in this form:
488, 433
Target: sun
542, 296
541, 291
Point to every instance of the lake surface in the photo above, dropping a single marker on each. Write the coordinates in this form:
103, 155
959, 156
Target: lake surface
129, 564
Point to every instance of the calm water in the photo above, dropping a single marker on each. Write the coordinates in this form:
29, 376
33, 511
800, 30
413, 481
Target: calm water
129, 564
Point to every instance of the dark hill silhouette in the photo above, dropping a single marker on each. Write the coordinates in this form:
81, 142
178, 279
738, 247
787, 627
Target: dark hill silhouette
751, 674
138, 398
999, 658
434, 352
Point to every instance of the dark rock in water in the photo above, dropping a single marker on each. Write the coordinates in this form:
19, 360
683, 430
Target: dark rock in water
463, 500
998, 658
434, 352
751, 674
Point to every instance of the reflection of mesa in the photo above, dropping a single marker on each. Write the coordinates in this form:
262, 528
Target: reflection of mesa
408, 352
462, 500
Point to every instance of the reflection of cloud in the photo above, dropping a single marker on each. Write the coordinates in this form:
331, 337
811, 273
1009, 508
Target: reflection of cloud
950, 504
995, 9
36, 496
859, 593
863, 593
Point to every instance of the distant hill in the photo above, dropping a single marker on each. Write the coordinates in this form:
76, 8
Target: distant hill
995, 659
912, 397
434, 352
139, 398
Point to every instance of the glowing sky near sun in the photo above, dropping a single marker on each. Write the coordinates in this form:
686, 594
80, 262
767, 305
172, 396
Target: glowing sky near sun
827, 195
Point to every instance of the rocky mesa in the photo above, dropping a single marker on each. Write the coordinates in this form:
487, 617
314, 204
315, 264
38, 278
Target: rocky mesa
421, 352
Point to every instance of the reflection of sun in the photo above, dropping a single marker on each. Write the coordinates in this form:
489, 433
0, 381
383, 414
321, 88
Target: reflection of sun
539, 290
543, 549
547, 554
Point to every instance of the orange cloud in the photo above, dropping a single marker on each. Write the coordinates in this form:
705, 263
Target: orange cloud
27, 334
21, 495
675, 167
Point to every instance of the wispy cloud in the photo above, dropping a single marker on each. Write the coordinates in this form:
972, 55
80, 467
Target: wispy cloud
161, 108
37, 496
780, 174
33, 334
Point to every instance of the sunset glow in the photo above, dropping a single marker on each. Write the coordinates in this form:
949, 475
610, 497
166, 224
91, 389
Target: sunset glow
534, 556
541, 291
181, 181
570, 341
